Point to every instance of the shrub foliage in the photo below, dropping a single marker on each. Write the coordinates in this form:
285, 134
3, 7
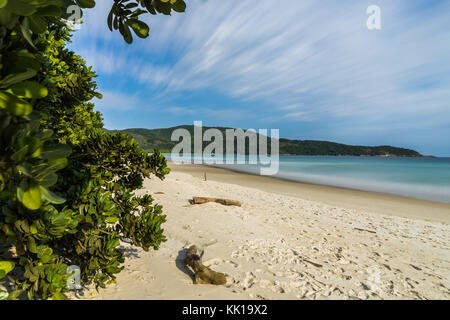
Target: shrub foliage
67, 186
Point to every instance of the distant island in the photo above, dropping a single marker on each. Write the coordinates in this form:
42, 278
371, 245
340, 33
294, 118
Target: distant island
160, 139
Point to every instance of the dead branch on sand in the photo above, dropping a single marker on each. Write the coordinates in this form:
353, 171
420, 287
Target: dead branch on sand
225, 202
203, 275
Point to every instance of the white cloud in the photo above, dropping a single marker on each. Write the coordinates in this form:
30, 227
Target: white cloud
308, 59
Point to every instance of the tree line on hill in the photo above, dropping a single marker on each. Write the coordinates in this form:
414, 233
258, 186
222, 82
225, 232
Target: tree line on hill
150, 139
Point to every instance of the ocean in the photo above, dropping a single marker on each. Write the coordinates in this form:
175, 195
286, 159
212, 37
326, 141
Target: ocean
421, 178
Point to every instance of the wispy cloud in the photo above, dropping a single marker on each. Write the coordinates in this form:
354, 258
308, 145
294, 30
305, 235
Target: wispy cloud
307, 60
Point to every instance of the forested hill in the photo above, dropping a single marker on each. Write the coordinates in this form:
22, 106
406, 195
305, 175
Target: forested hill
150, 139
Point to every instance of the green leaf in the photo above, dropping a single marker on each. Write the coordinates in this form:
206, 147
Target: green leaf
37, 24
25, 169
56, 151
6, 267
19, 155
32, 197
14, 105
15, 294
29, 90
44, 253
44, 134
3, 294
20, 8
140, 28
11, 79
16, 62
51, 197
110, 20
23, 226
49, 180
31, 245
179, 6
86, 3
112, 219
33, 229
163, 7
126, 33
53, 165
51, 10
58, 296
25, 28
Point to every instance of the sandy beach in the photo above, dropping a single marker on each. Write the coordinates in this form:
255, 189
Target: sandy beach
288, 241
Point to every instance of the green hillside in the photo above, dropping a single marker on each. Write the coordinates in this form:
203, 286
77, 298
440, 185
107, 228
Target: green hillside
150, 139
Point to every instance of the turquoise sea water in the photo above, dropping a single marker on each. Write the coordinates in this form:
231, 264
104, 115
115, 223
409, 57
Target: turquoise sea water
422, 178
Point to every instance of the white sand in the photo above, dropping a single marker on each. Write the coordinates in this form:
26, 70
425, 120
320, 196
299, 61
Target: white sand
266, 247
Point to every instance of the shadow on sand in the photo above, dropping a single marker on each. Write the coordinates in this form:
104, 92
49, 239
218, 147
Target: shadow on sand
181, 265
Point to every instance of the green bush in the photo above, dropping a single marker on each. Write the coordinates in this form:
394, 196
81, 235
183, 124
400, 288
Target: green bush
67, 185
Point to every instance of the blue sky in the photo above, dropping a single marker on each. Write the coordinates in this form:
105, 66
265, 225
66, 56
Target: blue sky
309, 68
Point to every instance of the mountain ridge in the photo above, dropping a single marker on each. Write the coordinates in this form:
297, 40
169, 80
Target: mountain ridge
160, 138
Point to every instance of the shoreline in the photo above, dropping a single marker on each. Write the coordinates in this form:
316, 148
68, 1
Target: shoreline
381, 203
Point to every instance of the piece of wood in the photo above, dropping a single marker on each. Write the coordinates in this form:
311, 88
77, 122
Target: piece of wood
225, 202
313, 263
359, 229
202, 274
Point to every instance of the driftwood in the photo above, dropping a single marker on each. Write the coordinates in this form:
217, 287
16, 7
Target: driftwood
359, 229
313, 263
202, 274
225, 202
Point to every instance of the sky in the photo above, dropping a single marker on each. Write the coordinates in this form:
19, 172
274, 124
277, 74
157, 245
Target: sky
311, 69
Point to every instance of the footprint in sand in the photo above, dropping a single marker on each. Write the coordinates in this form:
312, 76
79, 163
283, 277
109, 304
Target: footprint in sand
265, 271
248, 281
272, 285
213, 262
234, 264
